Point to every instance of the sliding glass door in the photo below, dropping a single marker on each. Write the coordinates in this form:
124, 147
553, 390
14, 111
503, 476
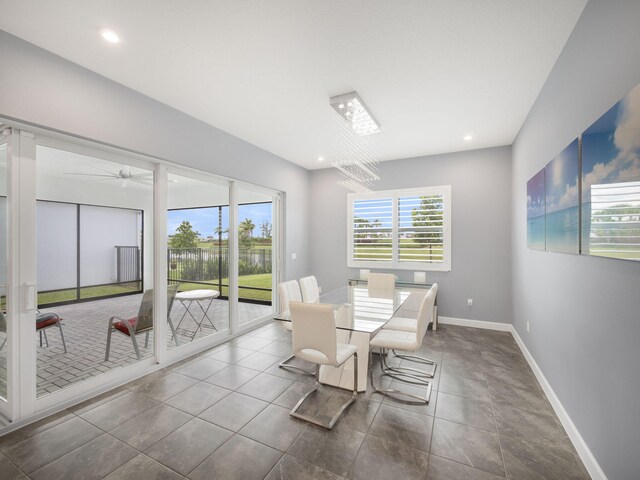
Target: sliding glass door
4, 237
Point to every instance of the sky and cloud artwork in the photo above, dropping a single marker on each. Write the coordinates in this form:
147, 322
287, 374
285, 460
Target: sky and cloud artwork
562, 202
535, 212
611, 182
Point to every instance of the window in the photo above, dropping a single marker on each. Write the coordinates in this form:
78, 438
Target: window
400, 229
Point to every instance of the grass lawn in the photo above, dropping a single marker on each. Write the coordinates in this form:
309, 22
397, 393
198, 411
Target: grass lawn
85, 292
262, 280
409, 251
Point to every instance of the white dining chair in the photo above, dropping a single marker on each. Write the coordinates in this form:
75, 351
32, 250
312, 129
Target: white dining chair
315, 340
381, 285
310, 290
289, 292
405, 324
388, 339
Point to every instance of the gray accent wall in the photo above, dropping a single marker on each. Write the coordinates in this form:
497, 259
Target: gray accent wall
481, 231
583, 312
42, 89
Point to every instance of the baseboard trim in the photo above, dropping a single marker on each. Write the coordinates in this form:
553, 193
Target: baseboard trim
464, 322
590, 462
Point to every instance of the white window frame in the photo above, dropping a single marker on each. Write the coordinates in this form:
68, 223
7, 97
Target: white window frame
394, 195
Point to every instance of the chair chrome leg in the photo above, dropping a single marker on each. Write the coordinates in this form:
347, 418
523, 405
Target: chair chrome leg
413, 358
64, 345
406, 371
173, 332
329, 425
415, 399
135, 346
109, 330
146, 340
46, 340
285, 365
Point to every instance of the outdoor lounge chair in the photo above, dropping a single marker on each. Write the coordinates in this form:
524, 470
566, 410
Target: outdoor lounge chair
43, 321
143, 323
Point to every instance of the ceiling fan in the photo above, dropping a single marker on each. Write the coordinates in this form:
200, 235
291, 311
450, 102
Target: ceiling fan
124, 176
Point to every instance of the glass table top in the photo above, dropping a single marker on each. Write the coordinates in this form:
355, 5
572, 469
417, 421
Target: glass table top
357, 311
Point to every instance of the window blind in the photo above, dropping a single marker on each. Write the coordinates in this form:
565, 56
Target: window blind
421, 228
373, 229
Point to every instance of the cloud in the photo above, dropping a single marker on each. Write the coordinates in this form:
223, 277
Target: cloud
568, 199
627, 134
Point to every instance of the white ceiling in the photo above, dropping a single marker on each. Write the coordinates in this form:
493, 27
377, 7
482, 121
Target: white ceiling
431, 71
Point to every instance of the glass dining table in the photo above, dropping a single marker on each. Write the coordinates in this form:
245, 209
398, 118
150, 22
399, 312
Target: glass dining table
359, 316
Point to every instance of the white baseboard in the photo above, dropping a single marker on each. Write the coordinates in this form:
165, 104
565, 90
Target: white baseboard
464, 322
580, 445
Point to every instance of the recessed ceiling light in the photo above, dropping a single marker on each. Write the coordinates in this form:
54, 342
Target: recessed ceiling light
110, 36
321, 159
341, 105
468, 138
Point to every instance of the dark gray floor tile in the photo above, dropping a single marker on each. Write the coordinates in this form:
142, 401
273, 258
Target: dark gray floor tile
231, 354
265, 387
234, 411
280, 349
380, 459
443, 469
147, 428
291, 374
521, 398
292, 395
239, 458
197, 399
259, 361
473, 372
143, 468
272, 333
514, 377
465, 387
409, 429
46, 423
94, 402
44, 447
91, 461
232, 377
274, 427
202, 369
471, 446
167, 386
9, 470
115, 412
529, 425
333, 450
466, 410
185, 448
360, 414
292, 468
253, 343
525, 460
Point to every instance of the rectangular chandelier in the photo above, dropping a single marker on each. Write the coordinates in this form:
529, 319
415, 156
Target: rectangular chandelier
353, 110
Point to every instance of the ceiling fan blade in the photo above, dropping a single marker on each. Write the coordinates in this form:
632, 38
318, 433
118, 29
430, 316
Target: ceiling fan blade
141, 175
103, 180
89, 174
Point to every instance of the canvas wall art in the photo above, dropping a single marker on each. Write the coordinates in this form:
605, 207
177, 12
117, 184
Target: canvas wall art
535, 212
611, 182
562, 200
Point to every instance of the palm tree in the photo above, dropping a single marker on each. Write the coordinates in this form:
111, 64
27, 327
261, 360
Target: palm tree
246, 226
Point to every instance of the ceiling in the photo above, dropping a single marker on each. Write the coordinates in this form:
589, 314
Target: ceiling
430, 71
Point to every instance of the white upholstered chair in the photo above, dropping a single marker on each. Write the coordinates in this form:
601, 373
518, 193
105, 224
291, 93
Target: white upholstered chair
310, 290
381, 285
388, 339
405, 324
289, 292
315, 340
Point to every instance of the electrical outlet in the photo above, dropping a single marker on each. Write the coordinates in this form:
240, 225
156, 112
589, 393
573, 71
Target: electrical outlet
294, 256
527, 326
469, 302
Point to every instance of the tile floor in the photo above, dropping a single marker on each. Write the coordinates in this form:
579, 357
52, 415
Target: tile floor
225, 414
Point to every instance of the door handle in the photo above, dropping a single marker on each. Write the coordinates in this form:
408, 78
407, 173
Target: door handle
30, 303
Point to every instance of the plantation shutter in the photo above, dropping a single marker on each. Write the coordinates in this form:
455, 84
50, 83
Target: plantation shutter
421, 228
372, 230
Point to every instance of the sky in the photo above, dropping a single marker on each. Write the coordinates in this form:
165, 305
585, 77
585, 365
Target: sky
535, 195
611, 146
561, 176
205, 220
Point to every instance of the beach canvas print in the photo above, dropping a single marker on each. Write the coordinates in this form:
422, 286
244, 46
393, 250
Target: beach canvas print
562, 200
611, 182
535, 211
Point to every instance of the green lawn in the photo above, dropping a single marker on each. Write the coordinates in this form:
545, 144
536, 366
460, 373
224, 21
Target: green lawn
262, 280
409, 251
85, 292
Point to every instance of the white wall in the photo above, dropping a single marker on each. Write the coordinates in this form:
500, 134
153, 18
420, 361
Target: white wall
584, 312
